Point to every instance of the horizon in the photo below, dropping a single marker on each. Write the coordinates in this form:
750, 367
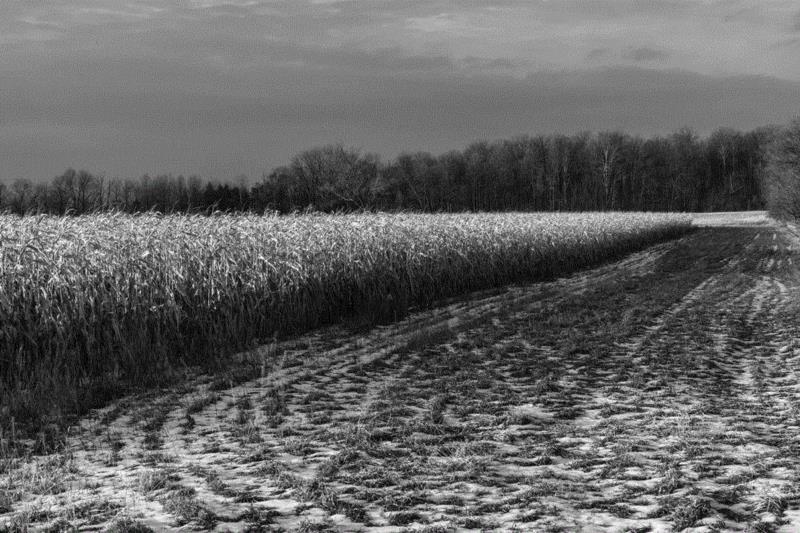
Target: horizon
236, 87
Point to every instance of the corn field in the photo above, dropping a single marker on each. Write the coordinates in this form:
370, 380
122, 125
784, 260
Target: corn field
112, 298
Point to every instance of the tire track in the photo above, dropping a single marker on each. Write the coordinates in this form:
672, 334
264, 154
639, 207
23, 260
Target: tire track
323, 367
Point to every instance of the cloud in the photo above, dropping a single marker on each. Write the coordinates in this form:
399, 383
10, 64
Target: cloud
597, 53
447, 23
135, 126
82, 13
754, 13
484, 63
205, 4
220, 87
29, 36
387, 59
100, 14
645, 54
785, 43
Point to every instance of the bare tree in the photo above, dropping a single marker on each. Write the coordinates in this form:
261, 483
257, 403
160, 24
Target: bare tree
783, 172
21, 196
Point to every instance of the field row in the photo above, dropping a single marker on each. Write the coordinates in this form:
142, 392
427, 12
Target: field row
90, 302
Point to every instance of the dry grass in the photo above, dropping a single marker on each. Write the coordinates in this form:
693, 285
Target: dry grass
90, 302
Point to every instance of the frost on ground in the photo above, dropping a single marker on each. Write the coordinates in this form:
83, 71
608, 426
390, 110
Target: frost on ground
657, 393
730, 218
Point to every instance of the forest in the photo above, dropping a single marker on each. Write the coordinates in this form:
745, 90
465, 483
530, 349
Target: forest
585, 172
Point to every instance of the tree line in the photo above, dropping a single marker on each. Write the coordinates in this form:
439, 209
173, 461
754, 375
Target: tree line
587, 171
782, 174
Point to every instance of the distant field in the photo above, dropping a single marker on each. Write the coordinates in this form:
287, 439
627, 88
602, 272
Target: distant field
730, 218
88, 301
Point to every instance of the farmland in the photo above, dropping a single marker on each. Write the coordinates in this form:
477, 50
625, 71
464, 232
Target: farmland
654, 392
90, 303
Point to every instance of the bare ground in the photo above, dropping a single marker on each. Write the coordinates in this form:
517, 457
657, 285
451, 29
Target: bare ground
657, 393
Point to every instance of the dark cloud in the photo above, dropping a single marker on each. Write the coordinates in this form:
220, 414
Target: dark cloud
645, 54
745, 14
598, 53
128, 132
222, 87
786, 43
388, 59
484, 63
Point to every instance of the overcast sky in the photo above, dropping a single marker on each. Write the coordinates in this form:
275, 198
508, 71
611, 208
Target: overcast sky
224, 87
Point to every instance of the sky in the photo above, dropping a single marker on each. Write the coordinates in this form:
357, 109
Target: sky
221, 88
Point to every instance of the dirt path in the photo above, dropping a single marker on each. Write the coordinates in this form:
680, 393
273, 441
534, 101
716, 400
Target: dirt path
657, 393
